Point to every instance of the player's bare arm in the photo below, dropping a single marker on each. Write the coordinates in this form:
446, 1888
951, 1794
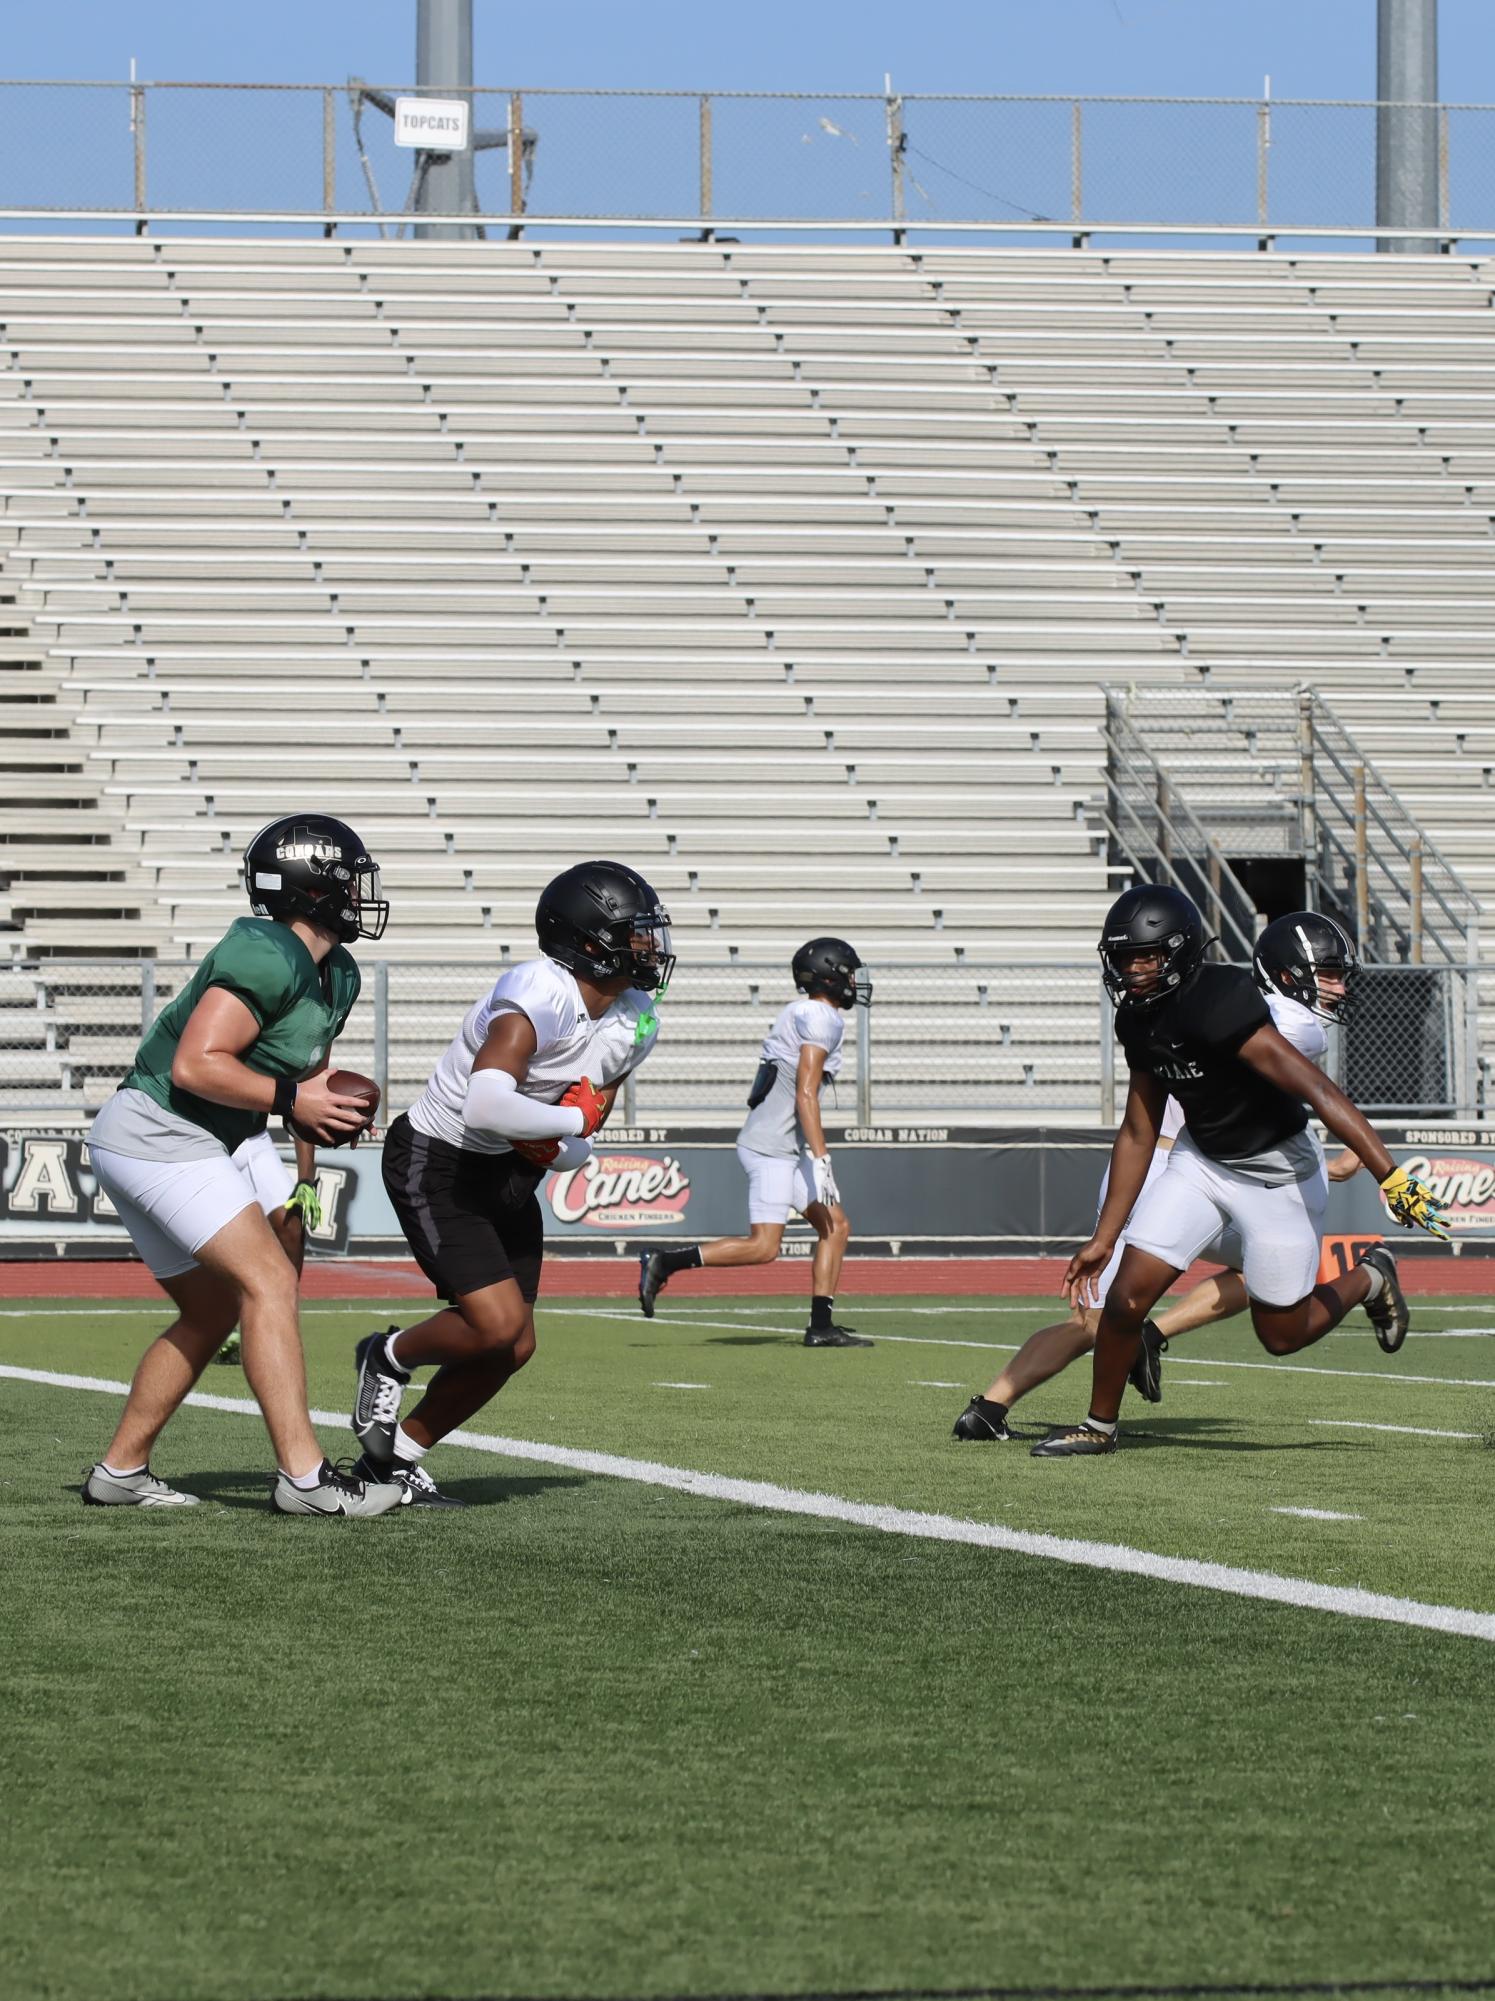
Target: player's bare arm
508, 1045
208, 1062
808, 1080
1272, 1056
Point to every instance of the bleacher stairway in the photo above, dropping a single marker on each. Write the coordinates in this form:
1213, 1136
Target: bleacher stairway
793, 576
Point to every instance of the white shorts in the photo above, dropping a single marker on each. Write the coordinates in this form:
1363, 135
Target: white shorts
1195, 1200
777, 1183
172, 1207
270, 1180
1224, 1249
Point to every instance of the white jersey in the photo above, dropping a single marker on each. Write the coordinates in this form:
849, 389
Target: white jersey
772, 1126
1299, 1025
569, 1044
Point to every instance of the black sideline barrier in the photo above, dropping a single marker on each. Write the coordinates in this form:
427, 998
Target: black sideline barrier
909, 1191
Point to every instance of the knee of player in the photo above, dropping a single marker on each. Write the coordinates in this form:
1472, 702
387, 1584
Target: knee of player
271, 1282
1125, 1306
497, 1328
1276, 1340
840, 1230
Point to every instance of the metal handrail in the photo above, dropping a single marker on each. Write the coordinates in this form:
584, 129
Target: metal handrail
1460, 921
1120, 737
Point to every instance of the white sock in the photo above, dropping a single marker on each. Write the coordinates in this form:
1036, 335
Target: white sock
121, 1472
406, 1449
305, 1481
389, 1353
1100, 1424
1377, 1283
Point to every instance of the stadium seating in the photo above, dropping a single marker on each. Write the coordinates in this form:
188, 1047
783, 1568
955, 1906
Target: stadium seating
793, 575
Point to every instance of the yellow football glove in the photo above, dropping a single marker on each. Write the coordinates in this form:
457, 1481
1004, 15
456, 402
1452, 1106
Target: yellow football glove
1413, 1203
303, 1201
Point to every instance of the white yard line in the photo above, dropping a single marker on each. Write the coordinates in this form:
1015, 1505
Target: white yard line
1340, 1600
682, 1386
1410, 1430
1193, 1382
1318, 1514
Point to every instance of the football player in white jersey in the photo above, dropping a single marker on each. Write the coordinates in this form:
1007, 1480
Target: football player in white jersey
1303, 964
782, 1143
529, 1076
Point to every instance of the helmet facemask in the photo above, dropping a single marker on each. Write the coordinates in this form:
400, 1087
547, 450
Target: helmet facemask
1118, 957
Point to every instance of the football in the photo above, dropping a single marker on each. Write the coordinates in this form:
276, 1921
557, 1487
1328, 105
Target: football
348, 1084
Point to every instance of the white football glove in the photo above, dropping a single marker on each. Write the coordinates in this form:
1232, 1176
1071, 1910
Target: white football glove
826, 1190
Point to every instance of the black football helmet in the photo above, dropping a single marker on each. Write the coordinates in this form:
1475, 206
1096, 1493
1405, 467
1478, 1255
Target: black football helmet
830, 966
310, 865
1153, 917
601, 919
1291, 953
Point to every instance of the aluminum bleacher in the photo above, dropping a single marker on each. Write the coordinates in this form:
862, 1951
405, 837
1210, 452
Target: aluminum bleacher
793, 575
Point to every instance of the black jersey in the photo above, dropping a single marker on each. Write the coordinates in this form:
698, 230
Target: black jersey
1189, 1042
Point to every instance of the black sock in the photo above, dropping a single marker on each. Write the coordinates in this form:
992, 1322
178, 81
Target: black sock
681, 1260
989, 1408
820, 1309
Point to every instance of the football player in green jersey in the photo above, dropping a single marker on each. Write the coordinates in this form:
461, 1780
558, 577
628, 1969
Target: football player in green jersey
250, 1034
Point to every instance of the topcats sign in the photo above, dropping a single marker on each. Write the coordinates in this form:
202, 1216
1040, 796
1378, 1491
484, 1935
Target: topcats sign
435, 124
1465, 1185
621, 1191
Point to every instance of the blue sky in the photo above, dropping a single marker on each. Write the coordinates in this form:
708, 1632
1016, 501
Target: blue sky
1311, 48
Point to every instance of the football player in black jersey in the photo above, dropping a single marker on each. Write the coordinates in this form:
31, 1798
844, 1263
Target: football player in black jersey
1203, 1033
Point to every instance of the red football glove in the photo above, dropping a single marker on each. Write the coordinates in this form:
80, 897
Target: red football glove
589, 1101
538, 1152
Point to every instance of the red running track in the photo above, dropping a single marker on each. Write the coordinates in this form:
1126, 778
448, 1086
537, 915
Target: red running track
609, 1278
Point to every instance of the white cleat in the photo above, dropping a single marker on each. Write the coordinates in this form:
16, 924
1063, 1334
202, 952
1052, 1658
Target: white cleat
103, 1489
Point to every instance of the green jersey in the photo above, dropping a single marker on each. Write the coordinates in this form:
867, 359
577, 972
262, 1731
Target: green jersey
300, 1006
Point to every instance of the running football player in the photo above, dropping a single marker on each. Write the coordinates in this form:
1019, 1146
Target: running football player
782, 1144
250, 1034
528, 1078
1245, 1160
1303, 964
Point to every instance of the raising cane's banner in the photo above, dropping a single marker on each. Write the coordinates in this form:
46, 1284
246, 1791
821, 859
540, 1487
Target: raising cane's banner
621, 1191
1463, 1182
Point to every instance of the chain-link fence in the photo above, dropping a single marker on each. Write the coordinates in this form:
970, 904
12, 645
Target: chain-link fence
953, 162
942, 1044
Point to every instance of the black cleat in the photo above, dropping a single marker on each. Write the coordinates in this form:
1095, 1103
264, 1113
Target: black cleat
1146, 1373
1387, 1312
1081, 1441
417, 1488
983, 1422
376, 1404
652, 1280
835, 1337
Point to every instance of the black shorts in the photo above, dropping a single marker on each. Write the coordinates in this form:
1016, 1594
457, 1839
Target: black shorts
472, 1219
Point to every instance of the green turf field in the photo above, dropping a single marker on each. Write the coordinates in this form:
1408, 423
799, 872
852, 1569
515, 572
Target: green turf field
598, 1737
